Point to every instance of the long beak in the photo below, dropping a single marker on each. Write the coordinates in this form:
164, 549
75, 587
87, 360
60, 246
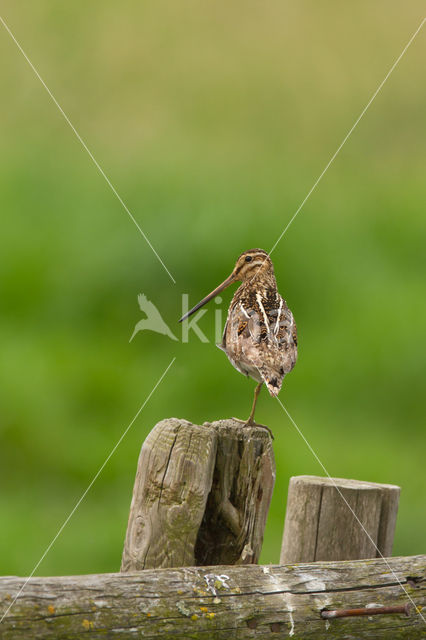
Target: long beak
211, 295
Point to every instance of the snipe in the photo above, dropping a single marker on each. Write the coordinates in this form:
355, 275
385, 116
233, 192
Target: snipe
260, 337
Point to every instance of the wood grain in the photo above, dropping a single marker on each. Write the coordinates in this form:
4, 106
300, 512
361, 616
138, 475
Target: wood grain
219, 603
173, 479
320, 522
201, 495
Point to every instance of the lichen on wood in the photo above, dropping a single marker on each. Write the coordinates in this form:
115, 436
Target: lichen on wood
220, 602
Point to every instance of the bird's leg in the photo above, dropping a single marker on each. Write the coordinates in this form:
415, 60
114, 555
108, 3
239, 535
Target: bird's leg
250, 420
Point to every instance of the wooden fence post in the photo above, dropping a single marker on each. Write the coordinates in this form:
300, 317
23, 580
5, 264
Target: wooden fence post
201, 495
319, 525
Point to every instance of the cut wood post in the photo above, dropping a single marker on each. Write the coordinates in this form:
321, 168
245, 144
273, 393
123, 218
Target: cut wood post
320, 523
220, 603
201, 495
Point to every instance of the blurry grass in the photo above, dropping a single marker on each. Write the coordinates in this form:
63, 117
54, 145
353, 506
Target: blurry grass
213, 123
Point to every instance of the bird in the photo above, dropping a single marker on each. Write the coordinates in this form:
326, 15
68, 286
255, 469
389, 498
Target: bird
260, 334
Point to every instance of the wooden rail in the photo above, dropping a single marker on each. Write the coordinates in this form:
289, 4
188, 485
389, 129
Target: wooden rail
221, 602
201, 497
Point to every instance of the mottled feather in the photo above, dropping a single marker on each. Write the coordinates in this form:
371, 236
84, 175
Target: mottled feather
260, 335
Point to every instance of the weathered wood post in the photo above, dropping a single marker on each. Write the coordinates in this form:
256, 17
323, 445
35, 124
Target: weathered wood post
221, 603
201, 495
319, 525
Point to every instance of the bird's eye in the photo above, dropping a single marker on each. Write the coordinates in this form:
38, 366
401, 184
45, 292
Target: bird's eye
249, 258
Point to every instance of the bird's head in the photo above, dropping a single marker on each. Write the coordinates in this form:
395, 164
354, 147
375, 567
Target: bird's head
250, 264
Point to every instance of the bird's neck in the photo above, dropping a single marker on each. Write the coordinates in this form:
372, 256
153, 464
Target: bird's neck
262, 278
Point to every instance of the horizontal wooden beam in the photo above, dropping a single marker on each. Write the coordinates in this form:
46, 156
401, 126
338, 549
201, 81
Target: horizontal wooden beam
220, 602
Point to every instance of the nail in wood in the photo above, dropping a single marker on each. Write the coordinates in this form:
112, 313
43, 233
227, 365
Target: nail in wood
365, 611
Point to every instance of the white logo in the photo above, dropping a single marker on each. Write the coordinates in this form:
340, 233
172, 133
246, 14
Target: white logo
153, 320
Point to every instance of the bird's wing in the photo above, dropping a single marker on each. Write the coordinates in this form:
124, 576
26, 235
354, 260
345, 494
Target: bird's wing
266, 337
260, 316
285, 328
222, 345
241, 323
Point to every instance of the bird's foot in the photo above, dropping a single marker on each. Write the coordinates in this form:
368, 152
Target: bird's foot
252, 423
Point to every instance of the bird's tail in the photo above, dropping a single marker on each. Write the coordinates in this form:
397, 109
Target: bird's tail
273, 382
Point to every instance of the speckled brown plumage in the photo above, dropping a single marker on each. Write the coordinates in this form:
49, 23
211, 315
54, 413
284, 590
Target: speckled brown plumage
260, 335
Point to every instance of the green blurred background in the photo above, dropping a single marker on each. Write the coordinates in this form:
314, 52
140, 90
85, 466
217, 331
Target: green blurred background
213, 121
